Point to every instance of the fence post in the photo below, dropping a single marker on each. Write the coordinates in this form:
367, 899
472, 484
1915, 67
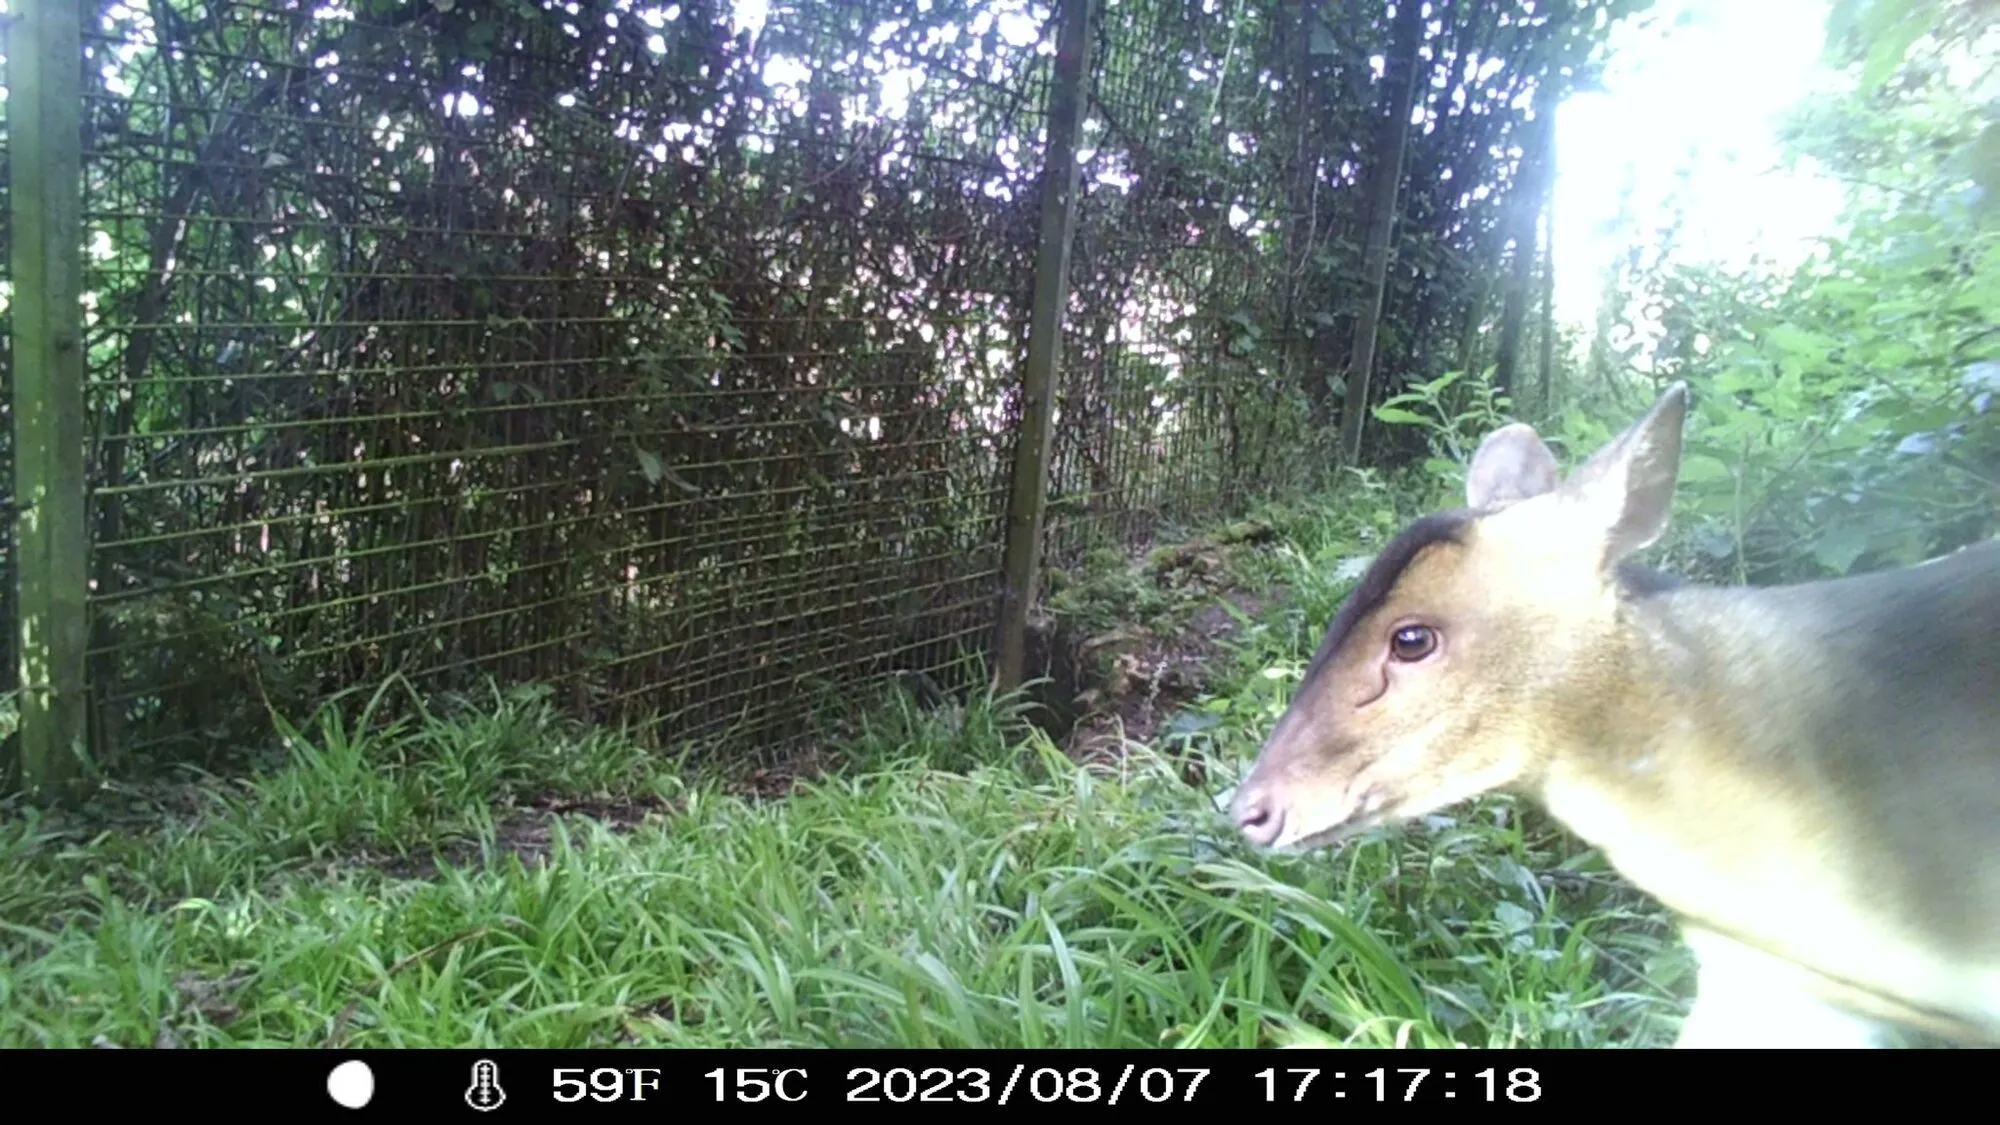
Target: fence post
1060, 181
45, 105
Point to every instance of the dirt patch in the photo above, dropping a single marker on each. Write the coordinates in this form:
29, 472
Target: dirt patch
527, 832
669, 1011
530, 834
1154, 678
775, 782
1153, 673
212, 999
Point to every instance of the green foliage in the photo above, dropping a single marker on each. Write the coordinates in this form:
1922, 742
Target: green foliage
937, 893
487, 873
1844, 410
686, 343
916, 725
1455, 414
214, 671
1453, 258
1106, 591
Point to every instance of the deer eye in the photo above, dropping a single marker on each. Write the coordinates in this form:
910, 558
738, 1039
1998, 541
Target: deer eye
1412, 643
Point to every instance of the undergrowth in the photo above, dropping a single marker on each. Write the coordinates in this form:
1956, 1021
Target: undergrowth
496, 876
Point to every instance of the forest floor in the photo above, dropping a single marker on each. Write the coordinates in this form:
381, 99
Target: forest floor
490, 874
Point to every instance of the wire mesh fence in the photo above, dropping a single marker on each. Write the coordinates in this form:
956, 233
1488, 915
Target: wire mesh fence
1166, 411
667, 354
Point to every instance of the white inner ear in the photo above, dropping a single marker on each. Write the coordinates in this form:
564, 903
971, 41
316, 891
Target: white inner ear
1627, 487
1510, 466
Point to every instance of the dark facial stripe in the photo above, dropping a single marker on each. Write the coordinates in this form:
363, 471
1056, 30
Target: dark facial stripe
1382, 576
1635, 581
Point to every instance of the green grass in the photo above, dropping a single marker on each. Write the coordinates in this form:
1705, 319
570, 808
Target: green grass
957, 882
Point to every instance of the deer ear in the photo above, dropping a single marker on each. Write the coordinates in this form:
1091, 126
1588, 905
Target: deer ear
1627, 487
1511, 465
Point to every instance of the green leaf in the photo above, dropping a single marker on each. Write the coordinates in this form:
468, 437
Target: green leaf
480, 39
652, 466
1799, 342
1889, 51
1398, 417
1513, 917
1839, 546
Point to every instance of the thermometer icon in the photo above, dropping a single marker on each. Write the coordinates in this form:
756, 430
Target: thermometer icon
485, 1092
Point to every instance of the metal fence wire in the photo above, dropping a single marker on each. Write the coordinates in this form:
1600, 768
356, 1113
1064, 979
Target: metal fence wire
1163, 414
661, 356
668, 354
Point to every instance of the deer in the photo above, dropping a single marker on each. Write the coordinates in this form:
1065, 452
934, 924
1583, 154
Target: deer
1806, 776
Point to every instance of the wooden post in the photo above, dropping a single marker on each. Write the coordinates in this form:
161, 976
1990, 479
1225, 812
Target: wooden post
1391, 140
45, 106
1060, 179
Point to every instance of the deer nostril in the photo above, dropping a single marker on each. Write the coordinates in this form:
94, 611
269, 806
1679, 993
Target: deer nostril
1258, 820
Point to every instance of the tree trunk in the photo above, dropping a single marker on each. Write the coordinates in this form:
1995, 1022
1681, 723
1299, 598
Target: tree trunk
1301, 234
1400, 78
1481, 290
1529, 192
1545, 393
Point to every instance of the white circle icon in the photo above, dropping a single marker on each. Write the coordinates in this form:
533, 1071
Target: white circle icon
351, 1084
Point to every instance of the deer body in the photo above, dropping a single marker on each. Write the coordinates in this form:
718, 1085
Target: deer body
1808, 776
1824, 806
